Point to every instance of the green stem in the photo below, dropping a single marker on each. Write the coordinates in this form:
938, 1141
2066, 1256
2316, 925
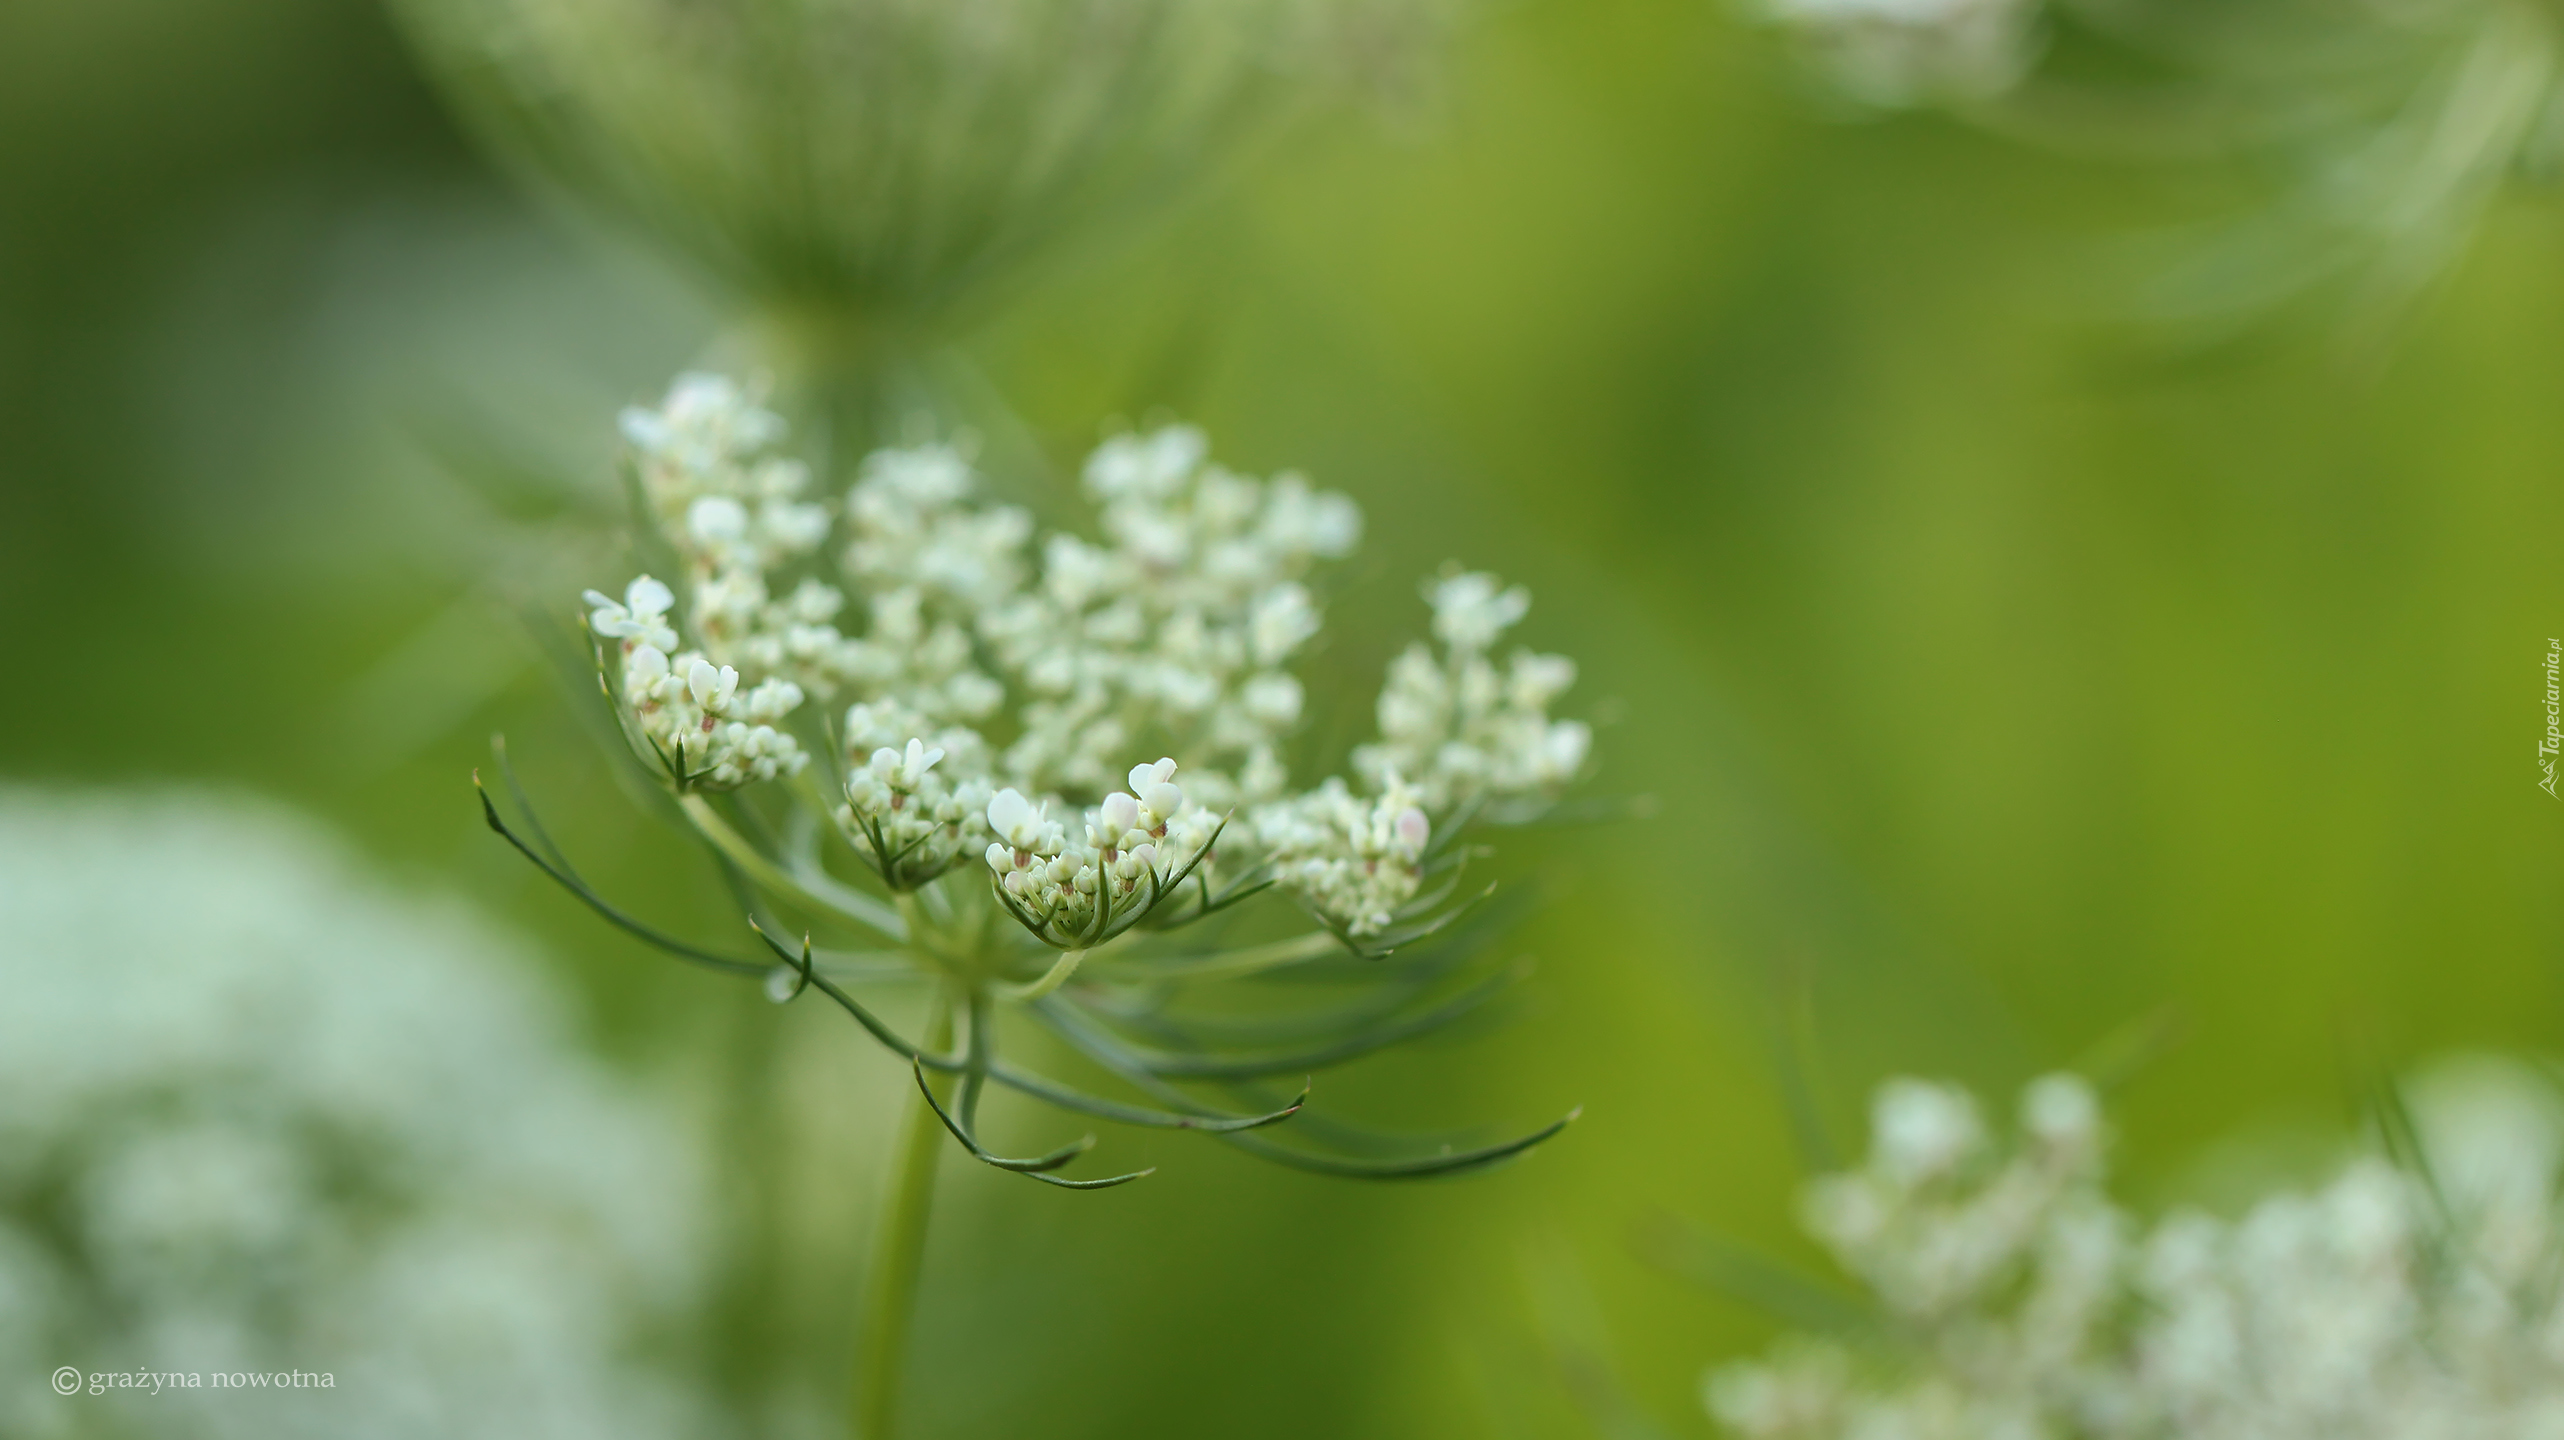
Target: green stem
1052, 979
751, 1298
821, 893
1251, 960
899, 1249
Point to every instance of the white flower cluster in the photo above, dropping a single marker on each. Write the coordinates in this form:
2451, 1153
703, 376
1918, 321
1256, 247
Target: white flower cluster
1355, 858
903, 816
1181, 625
2386, 1304
929, 567
1460, 730
989, 665
686, 711
708, 472
1135, 842
1904, 52
264, 1115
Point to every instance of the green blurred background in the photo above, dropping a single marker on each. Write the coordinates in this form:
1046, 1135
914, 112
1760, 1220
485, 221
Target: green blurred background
2001, 677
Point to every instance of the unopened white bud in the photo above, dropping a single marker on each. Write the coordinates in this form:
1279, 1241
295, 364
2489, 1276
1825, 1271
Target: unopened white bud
1413, 829
1119, 813
716, 519
1920, 1129
2061, 1111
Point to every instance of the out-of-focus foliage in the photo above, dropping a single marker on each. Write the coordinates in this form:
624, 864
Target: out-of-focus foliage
1998, 679
2383, 128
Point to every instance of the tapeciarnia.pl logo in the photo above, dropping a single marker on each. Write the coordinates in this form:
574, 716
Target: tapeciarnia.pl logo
2554, 741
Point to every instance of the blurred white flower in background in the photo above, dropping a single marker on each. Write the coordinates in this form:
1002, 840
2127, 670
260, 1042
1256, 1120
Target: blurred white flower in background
2015, 1300
265, 1113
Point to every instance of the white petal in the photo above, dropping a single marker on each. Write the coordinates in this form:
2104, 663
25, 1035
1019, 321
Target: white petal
648, 597
1008, 810
716, 517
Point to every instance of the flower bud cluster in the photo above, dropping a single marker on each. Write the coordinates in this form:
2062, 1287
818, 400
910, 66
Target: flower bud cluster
1461, 729
687, 712
904, 816
1179, 626
1352, 858
1037, 669
1132, 844
733, 509
931, 567
1181, 623
710, 475
2382, 1305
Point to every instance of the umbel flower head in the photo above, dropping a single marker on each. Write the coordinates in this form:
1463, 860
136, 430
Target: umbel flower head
1047, 758
880, 159
2413, 1294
